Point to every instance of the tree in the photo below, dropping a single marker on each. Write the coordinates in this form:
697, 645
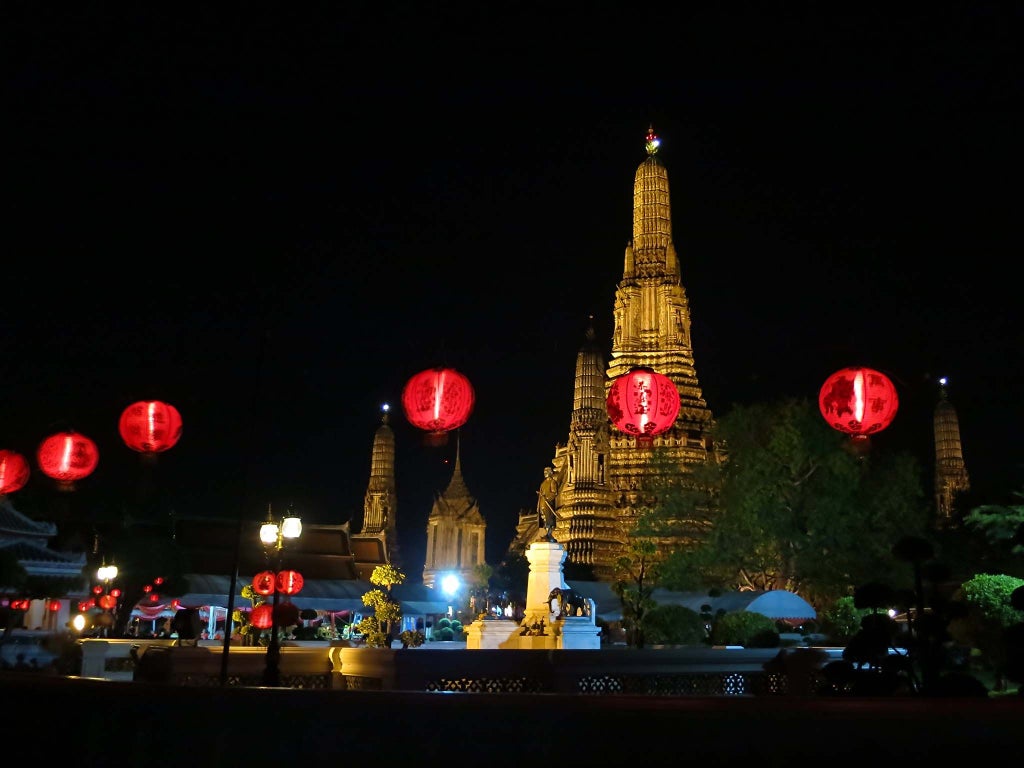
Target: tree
387, 611
479, 588
637, 573
793, 509
990, 612
1002, 527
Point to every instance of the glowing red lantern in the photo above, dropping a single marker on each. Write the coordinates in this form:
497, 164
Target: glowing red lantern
289, 582
262, 616
150, 427
643, 402
53, 606
13, 471
858, 401
154, 597
115, 592
107, 602
67, 457
263, 583
438, 400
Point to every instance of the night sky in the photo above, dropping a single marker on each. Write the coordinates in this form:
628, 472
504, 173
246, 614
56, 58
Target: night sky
272, 218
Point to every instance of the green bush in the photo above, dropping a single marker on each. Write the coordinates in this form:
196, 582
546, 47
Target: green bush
673, 625
746, 628
445, 633
842, 620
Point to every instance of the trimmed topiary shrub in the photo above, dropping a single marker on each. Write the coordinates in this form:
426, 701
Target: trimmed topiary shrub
674, 625
746, 628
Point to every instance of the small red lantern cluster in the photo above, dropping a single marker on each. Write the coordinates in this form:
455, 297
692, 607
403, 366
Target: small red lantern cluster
643, 402
13, 471
858, 401
150, 426
438, 400
67, 457
286, 582
20, 605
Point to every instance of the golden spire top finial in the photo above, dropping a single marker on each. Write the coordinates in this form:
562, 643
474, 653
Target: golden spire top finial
653, 142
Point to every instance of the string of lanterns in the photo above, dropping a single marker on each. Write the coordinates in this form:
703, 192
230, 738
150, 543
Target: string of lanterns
148, 427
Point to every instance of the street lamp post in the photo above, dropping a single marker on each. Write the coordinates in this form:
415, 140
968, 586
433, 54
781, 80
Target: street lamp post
273, 535
106, 574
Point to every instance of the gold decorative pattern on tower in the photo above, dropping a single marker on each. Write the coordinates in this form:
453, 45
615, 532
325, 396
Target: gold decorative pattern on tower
951, 478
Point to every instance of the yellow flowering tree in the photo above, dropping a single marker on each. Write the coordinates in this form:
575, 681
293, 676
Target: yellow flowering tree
387, 612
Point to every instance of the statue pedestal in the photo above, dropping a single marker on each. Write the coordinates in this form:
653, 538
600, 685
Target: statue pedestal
545, 558
537, 642
492, 633
580, 633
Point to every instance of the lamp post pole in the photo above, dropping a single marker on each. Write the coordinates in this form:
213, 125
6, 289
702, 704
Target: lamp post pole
273, 535
106, 574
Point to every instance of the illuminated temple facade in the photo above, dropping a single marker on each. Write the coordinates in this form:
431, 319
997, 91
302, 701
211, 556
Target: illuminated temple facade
603, 474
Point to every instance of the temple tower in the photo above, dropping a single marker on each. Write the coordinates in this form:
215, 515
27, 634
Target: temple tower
950, 470
605, 475
586, 516
455, 531
377, 541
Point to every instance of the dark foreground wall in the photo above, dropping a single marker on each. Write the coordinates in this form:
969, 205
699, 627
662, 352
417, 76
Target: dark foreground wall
139, 724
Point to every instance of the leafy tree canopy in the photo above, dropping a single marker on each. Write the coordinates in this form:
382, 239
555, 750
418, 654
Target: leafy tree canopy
795, 509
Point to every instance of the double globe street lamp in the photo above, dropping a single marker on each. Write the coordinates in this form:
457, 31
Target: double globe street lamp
273, 536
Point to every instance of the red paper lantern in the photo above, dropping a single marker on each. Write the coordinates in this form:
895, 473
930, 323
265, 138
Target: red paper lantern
438, 400
53, 606
150, 426
263, 583
858, 401
262, 616
107, 602
289, 582
643, 402
154, 597
13, 471
67, 457
97, 590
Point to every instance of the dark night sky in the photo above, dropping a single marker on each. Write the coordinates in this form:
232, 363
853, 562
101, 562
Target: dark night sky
272, 218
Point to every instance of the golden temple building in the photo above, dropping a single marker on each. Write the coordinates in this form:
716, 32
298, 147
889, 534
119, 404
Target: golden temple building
603, 474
